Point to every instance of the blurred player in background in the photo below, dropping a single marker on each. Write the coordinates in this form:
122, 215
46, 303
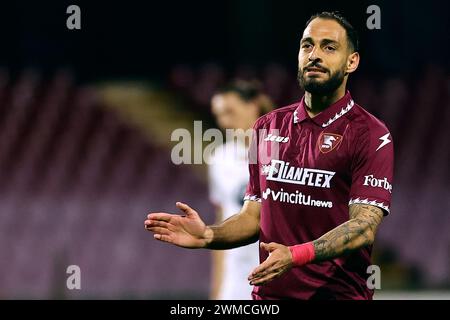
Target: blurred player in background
316, 206
236, 106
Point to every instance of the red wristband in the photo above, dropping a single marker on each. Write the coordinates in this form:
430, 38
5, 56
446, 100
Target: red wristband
302, 253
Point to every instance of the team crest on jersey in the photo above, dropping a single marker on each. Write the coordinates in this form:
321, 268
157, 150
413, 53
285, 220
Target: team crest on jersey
328, 141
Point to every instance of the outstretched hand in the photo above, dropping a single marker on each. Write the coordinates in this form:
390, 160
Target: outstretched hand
278, 262
188, 230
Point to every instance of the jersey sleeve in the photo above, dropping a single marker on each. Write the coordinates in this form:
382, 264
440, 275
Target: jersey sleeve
372, 168
253, 192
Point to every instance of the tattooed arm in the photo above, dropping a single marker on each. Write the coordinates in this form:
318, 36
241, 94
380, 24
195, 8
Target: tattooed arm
354, 234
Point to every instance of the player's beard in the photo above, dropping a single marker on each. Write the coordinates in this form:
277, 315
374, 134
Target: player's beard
314, 86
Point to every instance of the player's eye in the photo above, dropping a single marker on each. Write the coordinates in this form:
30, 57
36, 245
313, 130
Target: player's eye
330, 48
306, 46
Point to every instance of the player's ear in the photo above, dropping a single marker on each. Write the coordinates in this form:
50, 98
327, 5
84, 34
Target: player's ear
352, 62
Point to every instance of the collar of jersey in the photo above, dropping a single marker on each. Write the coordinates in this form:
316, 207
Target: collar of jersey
327, 116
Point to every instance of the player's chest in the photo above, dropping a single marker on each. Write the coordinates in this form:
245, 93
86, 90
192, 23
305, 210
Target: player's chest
311, 147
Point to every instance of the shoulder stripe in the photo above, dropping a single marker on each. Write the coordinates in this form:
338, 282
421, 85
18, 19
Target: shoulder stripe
372, 203
343, 111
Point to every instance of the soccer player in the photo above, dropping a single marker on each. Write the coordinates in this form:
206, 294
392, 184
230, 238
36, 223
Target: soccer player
236, 106
317, 206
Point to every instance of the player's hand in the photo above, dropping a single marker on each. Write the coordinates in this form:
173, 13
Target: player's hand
188, 230
278, 262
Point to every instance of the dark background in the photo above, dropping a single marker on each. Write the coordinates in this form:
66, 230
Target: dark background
144, 39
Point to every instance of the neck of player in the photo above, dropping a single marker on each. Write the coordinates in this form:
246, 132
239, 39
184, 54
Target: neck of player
315, 103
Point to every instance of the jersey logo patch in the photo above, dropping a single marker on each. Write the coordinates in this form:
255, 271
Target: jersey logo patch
328, 141
275, 138
384, 141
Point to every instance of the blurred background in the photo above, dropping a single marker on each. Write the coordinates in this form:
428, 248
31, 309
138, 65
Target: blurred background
86, 117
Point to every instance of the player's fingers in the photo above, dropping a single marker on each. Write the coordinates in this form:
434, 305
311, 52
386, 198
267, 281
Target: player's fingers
265, 246
163, 237
161, 216
159, 230
264, 280
269, 246
156, 223
185, 208
261, 268
264, 272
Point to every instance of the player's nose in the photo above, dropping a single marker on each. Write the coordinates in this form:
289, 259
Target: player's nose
314, 56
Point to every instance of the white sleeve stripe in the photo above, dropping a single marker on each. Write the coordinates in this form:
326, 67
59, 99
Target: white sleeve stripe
373, 203
252, 198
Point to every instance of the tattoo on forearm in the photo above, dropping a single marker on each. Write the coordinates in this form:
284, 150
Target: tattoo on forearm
356, 233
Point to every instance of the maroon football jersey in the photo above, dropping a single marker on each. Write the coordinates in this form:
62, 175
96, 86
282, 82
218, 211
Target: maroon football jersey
306, 173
